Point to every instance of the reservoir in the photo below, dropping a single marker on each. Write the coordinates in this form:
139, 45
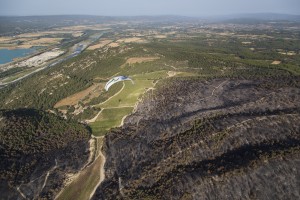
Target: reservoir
7, 55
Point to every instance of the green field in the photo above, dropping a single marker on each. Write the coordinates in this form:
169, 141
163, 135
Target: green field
129, 94
108, 119
123, 102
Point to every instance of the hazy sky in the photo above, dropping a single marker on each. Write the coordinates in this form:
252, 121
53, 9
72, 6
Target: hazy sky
147, 7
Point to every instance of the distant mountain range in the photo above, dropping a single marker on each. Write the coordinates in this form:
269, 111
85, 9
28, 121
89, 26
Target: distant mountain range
256, 17
97, 19
20, 24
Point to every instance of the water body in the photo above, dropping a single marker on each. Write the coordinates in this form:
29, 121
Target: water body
7, 55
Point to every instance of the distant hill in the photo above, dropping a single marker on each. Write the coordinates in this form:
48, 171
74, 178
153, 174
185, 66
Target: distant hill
12, 25
257, 17
20, 24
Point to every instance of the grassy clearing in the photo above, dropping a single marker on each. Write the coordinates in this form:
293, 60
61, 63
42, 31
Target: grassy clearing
131, 61
84, 184
122, 104
129, 94
108, 119
151, 76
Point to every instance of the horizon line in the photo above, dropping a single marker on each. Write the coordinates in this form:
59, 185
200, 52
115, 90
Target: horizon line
155, 15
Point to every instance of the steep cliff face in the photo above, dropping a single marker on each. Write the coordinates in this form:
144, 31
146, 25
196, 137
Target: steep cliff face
218, 139
37, 150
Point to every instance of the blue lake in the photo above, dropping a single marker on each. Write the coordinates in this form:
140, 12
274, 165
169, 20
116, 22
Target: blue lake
7, 55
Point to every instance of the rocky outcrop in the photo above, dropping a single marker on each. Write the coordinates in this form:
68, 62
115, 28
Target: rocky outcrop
215, 139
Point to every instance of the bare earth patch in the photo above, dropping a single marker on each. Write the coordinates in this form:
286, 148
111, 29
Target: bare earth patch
134, 60
276, 62
290, 53
41, 59
77, 34
13, 46
55, 31
32, 35
100, 44
44, 41
73, 28
5, 39
13, 43
114, 44
246, 42
24, 46
160, 36
75, 98
129, 40
28, 42
171, 73
226, 34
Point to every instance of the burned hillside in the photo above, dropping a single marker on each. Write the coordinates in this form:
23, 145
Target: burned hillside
217, 139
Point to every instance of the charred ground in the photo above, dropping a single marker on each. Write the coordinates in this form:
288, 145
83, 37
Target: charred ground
199, 139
